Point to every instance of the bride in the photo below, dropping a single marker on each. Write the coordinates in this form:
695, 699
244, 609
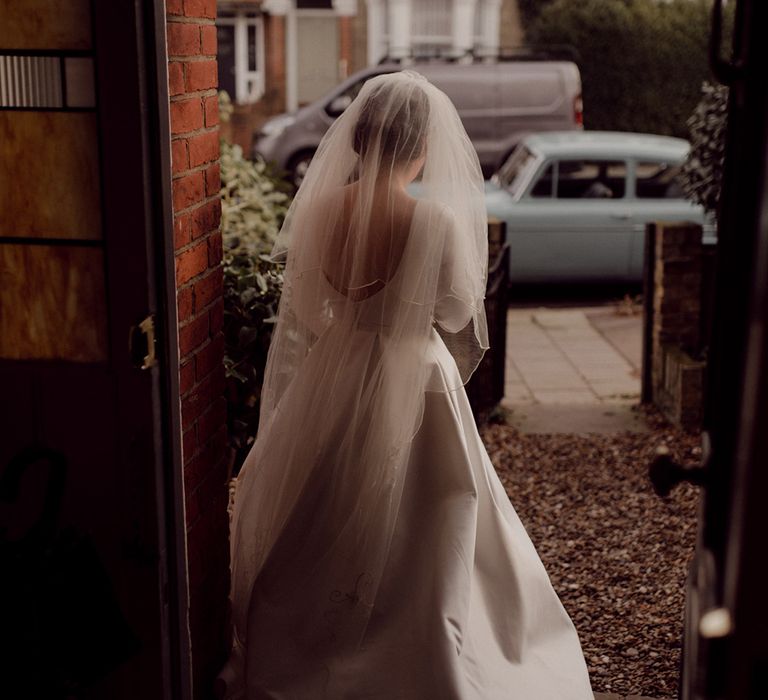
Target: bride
374, 552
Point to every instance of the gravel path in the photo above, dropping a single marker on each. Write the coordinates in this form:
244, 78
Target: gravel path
616, 553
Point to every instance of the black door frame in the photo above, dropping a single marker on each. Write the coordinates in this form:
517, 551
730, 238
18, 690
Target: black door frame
133, 98
726, 643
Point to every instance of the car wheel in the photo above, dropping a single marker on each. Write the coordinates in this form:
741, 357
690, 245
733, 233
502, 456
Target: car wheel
298, 168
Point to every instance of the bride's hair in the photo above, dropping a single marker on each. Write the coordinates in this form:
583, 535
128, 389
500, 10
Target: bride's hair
393, 123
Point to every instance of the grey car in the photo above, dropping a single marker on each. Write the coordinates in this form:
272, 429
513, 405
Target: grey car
498, 103
576, 203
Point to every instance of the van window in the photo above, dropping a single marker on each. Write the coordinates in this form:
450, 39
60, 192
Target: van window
597, 179
657, 180
347, 95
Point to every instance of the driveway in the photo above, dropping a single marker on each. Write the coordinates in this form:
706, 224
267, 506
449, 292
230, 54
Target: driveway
574, 370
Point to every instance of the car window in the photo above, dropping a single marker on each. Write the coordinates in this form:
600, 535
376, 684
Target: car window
544, 183
511, 174
657, 180
591, 179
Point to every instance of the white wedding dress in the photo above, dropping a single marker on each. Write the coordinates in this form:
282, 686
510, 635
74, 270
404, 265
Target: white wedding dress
374, 553
464, 609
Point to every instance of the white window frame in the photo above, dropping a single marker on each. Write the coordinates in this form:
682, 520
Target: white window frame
249, 84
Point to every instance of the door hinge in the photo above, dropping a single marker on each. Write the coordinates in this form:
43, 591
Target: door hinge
141, 344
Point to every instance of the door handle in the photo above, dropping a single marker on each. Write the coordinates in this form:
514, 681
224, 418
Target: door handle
141, 344
665, 473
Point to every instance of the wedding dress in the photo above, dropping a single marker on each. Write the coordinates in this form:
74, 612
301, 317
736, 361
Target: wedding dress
374, 552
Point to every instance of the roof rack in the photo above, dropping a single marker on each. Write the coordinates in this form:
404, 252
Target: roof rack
540, 52
438, 54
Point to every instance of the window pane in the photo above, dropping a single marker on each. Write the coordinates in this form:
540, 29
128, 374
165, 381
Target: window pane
225, 35
591, 179
543, 186
510, 173
657, 180
252, 47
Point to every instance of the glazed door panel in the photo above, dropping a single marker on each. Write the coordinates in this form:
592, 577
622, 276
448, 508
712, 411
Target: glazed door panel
93, 591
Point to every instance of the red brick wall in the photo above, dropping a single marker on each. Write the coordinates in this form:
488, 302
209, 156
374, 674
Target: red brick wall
274, 40
677, 372
192, 76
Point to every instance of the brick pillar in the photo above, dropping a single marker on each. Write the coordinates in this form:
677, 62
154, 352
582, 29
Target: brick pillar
677, 372
677, 289
274, 50
192, 74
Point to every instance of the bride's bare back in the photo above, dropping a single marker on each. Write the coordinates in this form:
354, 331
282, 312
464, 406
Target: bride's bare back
383, 243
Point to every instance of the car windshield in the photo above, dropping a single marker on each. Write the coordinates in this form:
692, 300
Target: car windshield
511, 173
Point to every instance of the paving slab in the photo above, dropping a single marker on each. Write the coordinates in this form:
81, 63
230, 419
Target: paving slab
560, 357
622, 330
566, 373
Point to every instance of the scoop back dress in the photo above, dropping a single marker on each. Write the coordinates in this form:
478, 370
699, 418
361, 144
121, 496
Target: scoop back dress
464, 610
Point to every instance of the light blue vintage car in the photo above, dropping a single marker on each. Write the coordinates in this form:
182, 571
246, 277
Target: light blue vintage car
576, 203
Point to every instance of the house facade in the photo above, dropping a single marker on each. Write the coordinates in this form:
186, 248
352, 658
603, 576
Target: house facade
277, 55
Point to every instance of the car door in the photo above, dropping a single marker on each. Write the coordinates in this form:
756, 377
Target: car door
656, 196
573, 223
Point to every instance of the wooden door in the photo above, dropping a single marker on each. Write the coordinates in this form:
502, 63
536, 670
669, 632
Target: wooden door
725, 652
94, 575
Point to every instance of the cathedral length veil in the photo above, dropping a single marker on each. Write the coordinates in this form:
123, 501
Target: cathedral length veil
371, 273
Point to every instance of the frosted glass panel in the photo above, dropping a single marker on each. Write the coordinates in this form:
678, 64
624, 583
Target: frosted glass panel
49, 168
30, 81
79, 82
45, 24
53, 303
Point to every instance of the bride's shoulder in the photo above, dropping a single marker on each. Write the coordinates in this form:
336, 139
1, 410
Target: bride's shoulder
333, 198
432, 207
437, 214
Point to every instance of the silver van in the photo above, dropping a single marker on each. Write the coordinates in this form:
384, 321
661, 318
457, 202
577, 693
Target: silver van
497, 102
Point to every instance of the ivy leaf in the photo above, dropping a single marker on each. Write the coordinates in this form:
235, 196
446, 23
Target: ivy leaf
247, 335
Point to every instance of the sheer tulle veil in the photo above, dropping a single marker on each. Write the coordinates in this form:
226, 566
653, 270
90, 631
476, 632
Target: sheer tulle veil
375, 267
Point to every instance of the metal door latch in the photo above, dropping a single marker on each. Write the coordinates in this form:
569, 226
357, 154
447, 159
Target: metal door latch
665, 473
141, 344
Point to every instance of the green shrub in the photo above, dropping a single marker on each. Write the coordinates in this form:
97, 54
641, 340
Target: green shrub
253, 203
530, 10
701, 174
642, 62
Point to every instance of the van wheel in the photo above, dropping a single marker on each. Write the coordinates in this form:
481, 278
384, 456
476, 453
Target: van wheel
298, 167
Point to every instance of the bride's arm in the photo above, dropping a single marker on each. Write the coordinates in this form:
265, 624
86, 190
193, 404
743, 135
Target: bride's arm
456, 291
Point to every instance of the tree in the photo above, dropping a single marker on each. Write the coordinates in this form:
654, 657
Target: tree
642, 62
701, 174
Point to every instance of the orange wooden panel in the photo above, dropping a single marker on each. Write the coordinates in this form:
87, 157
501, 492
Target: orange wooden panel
45, 24
53, 303
49, 170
